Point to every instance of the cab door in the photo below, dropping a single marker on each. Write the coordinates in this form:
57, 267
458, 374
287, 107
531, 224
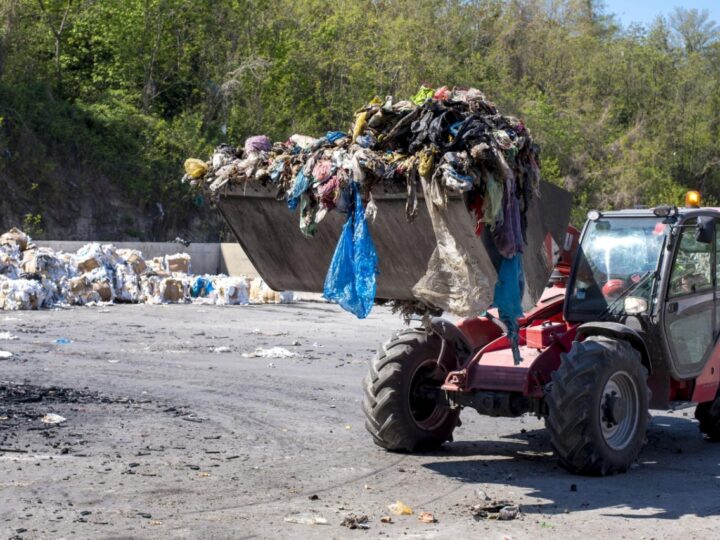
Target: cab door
689, 312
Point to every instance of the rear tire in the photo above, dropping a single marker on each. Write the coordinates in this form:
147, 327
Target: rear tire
399, 418
708, 414
598, 407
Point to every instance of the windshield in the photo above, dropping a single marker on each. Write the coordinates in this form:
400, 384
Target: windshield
616, 256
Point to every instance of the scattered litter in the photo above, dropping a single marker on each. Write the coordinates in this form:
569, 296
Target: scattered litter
223, 349
400, 509
314, 497
354, 521
52, 418
386, 519
5, 354
274, 352
306, 518
509, 512
481, 495
193, 418
63, 341
427, 517
502, 510
257, 331
7, 336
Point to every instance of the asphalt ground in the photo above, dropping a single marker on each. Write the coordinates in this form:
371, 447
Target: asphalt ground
171, 432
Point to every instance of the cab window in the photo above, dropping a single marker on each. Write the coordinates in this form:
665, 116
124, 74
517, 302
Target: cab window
692, 270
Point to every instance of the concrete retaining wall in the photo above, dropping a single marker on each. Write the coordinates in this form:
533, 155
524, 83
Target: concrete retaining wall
206, 258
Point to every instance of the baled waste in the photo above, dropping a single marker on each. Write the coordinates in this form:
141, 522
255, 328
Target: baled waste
442, 143
36, 277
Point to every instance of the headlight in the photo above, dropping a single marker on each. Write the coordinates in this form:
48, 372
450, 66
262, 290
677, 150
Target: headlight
635, 305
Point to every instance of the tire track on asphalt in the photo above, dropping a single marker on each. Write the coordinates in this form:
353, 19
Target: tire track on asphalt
304, 494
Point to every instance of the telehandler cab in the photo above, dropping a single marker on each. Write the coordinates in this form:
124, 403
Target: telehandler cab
631, 325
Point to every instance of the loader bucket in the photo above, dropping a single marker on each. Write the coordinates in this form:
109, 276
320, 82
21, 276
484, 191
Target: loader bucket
270, 236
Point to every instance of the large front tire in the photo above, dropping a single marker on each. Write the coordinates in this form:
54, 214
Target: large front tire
598, 407
400, 414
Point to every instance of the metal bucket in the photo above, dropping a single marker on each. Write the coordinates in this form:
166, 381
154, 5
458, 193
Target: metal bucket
287, 260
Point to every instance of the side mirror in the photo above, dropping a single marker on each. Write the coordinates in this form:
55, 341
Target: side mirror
705, 229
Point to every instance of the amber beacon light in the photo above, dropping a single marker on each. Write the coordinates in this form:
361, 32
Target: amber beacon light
692, 199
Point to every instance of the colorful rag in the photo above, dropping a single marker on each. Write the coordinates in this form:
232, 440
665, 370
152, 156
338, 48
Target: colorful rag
258, 143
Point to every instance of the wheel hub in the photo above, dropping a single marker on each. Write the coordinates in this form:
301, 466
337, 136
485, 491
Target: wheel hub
613, 409
619, 410
425, 409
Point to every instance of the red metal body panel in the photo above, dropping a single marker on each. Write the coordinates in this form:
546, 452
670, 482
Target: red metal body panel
706, 385
492, 367
479, 331
542, 335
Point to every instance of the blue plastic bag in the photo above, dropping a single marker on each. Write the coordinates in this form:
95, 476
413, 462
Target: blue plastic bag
508, 297
333, 136
299, 187
201, 287
350, 281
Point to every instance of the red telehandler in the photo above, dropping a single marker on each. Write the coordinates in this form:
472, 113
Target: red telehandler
630, 322
630, 325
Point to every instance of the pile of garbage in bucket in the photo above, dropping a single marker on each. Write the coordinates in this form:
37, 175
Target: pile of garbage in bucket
440, 142
36, 277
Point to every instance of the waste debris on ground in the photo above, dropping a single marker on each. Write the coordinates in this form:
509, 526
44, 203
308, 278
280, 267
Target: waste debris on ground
34, 277
7, 336
306, 518
273, 352
400, 509
5, 355
386, 519
427, 517
440, 143
52, 418
356, 521
501, 510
